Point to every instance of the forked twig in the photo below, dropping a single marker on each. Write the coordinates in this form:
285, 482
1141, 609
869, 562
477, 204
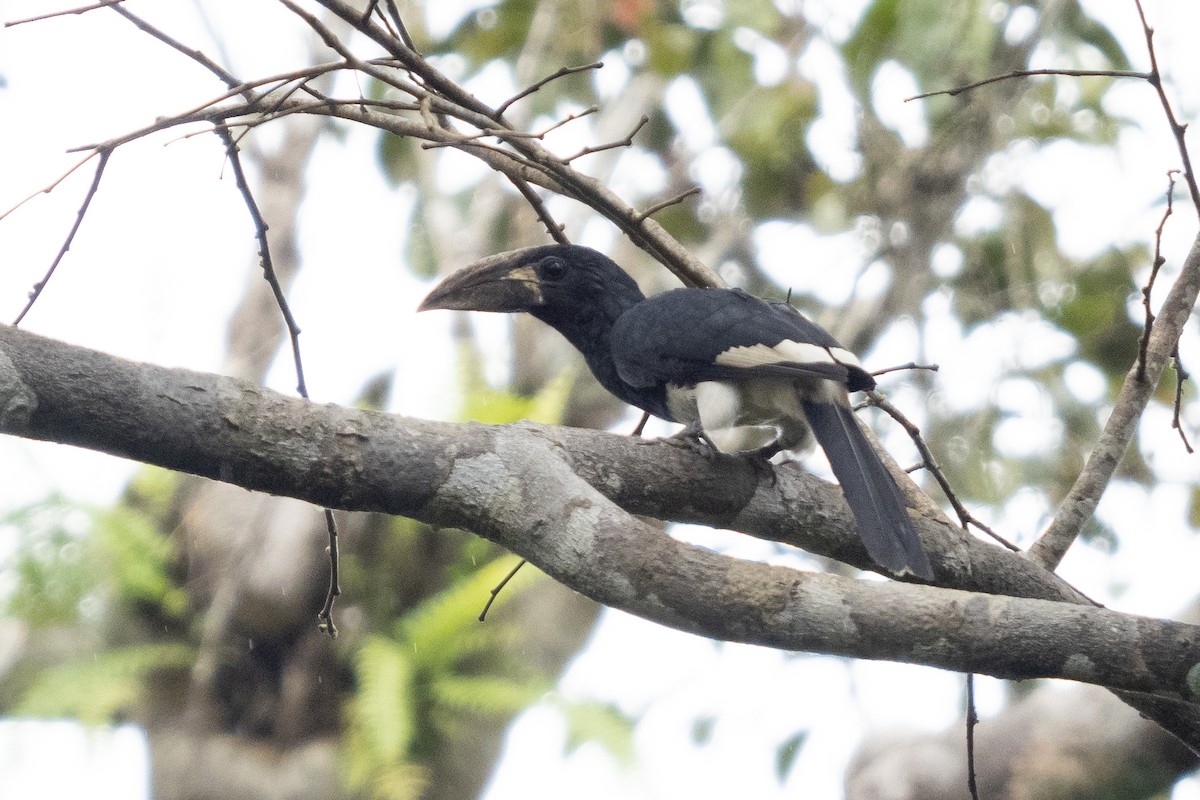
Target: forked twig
600, 148
325, 616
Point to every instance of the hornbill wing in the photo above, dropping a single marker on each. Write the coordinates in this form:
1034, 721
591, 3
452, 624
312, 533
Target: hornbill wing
687, 336
872, 494
721, 341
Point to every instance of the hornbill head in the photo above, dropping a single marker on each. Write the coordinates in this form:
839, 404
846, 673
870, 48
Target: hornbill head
555, 283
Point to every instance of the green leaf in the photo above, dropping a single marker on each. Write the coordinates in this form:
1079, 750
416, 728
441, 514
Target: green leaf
785, 754
602, 723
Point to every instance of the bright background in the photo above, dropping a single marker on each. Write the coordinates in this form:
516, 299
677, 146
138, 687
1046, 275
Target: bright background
150, 275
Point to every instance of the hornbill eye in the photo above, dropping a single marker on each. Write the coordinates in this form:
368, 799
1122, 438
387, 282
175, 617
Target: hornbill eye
553, 268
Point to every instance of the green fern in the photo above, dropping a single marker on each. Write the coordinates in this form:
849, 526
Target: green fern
98, 690
383, 711
440, 666
445, 628
487, 694
139, 559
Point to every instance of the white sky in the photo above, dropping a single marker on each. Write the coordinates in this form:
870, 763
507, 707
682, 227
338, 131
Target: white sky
162, 257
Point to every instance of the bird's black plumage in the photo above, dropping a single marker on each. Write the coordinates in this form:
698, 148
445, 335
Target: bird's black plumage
751, 373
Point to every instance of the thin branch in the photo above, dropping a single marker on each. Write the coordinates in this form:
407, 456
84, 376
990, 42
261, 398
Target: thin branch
1155, 266
227, 77
901, 367
553, 228
626, 142
1079, 505
670, 201
499, 587
1181, 376
264, 253
562, 71
1031, 73
52, 185
38, 287
502, 134
965, 517
325, 615
1177, 129
67, 12
972, 721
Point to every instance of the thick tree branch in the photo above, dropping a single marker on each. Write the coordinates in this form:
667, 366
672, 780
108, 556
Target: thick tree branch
525, 488
1080, 503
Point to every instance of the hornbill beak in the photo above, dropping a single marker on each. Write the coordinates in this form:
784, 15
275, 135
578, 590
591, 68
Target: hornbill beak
503, 282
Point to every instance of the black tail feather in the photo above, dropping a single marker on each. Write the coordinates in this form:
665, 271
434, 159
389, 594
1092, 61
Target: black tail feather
883, 523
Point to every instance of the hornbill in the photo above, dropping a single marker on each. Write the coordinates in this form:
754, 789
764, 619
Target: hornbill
750, 374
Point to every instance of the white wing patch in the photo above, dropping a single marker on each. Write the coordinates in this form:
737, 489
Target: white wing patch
787, 351
720, 408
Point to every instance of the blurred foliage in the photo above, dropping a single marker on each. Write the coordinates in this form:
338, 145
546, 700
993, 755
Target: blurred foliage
415, 684
74, 565
104, 688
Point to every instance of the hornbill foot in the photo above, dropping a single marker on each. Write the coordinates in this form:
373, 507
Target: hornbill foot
693, 438
760, 461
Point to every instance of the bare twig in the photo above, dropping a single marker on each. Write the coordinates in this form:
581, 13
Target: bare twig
264, 253
227, 77
38, 287
1031, 73
498, 133
901, 367
65, 13
972, 721
52, 185
1155, 266
600, 148
670, 201
553, 228
325, 615
1178, 130
965, 517
535, 87
1181, 376
499, 587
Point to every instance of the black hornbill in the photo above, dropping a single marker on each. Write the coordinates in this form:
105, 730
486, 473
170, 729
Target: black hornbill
753, 375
